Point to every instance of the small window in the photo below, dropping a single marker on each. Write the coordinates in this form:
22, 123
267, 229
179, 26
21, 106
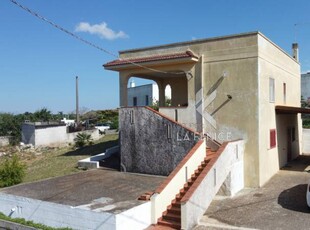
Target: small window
271, 90
146, 99
134, 101
284, 93
273, 141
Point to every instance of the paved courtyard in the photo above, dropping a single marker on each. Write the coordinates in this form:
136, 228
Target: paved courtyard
280, 204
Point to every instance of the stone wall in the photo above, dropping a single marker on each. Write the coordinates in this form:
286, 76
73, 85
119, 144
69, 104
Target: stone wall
152, 143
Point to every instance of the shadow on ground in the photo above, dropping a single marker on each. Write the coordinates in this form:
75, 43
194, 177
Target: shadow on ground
294, 199
113, 162
92, 149
300, 164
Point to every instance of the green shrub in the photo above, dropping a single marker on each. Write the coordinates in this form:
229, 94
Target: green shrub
114, 124
306, 123
12, 171
83, 139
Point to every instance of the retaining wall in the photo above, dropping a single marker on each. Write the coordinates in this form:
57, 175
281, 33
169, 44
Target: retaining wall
152, 143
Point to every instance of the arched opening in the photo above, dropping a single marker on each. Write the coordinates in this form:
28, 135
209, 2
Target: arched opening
168, 95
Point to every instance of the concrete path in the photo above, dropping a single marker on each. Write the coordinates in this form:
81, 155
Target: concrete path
280, 204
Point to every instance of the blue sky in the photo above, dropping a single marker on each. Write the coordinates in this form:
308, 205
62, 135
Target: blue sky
38, 63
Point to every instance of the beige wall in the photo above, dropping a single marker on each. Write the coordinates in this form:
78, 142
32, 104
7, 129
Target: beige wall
250, 59
273, 63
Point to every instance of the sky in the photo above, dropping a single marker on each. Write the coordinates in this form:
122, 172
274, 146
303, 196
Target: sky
39, 64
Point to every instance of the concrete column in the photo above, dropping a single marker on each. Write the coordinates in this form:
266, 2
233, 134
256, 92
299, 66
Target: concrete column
161, 94
123, 82
199, 95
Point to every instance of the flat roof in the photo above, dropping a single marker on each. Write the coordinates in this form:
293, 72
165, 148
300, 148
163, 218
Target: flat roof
197, 41
103, 190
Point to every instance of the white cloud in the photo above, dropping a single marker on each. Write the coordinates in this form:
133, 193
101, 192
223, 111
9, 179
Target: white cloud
102, 30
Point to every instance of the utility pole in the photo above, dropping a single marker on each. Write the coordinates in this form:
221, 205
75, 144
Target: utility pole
77, 100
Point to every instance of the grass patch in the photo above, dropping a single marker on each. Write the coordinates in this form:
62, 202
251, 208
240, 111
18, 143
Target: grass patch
63, 161
29, 223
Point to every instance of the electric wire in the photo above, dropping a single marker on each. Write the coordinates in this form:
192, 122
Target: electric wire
86, 41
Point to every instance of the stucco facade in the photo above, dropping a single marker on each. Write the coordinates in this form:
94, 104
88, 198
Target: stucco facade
221, 87
305, 86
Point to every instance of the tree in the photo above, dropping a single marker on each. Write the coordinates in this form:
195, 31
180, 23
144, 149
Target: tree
10, 125
43, 115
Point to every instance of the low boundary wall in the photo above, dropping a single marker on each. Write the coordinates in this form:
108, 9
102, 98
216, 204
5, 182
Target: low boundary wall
60, 216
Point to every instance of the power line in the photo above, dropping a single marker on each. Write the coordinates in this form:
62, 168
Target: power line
86, 41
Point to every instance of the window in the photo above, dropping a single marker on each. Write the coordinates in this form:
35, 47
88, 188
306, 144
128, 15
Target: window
134, 101
284, 93
273, 141
271, 90
146, 99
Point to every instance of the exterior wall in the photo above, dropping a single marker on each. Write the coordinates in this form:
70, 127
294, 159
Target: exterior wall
305, 86
176, 180
140, 92
249, 59
238, 118
61, 216
56, 135
151, 143
273, 63
55, 215
50, 136
93, 132
135, 218
28, 134
306, 141
229, 163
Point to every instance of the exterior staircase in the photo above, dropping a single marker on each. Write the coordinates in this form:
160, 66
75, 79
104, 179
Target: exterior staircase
171, 218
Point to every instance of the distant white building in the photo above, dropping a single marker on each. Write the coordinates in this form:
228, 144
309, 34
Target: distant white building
145, 95
305, 86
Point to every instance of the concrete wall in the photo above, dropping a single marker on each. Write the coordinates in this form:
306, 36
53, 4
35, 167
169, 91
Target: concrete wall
61, 216
50, 136
306, 141
28, 134
229, 167
55, 215
305, 86
151, 143
249, 59
140, 92
4, 141
176, 180
11, 225
93, 161
273, 63
55, 135
135, 218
